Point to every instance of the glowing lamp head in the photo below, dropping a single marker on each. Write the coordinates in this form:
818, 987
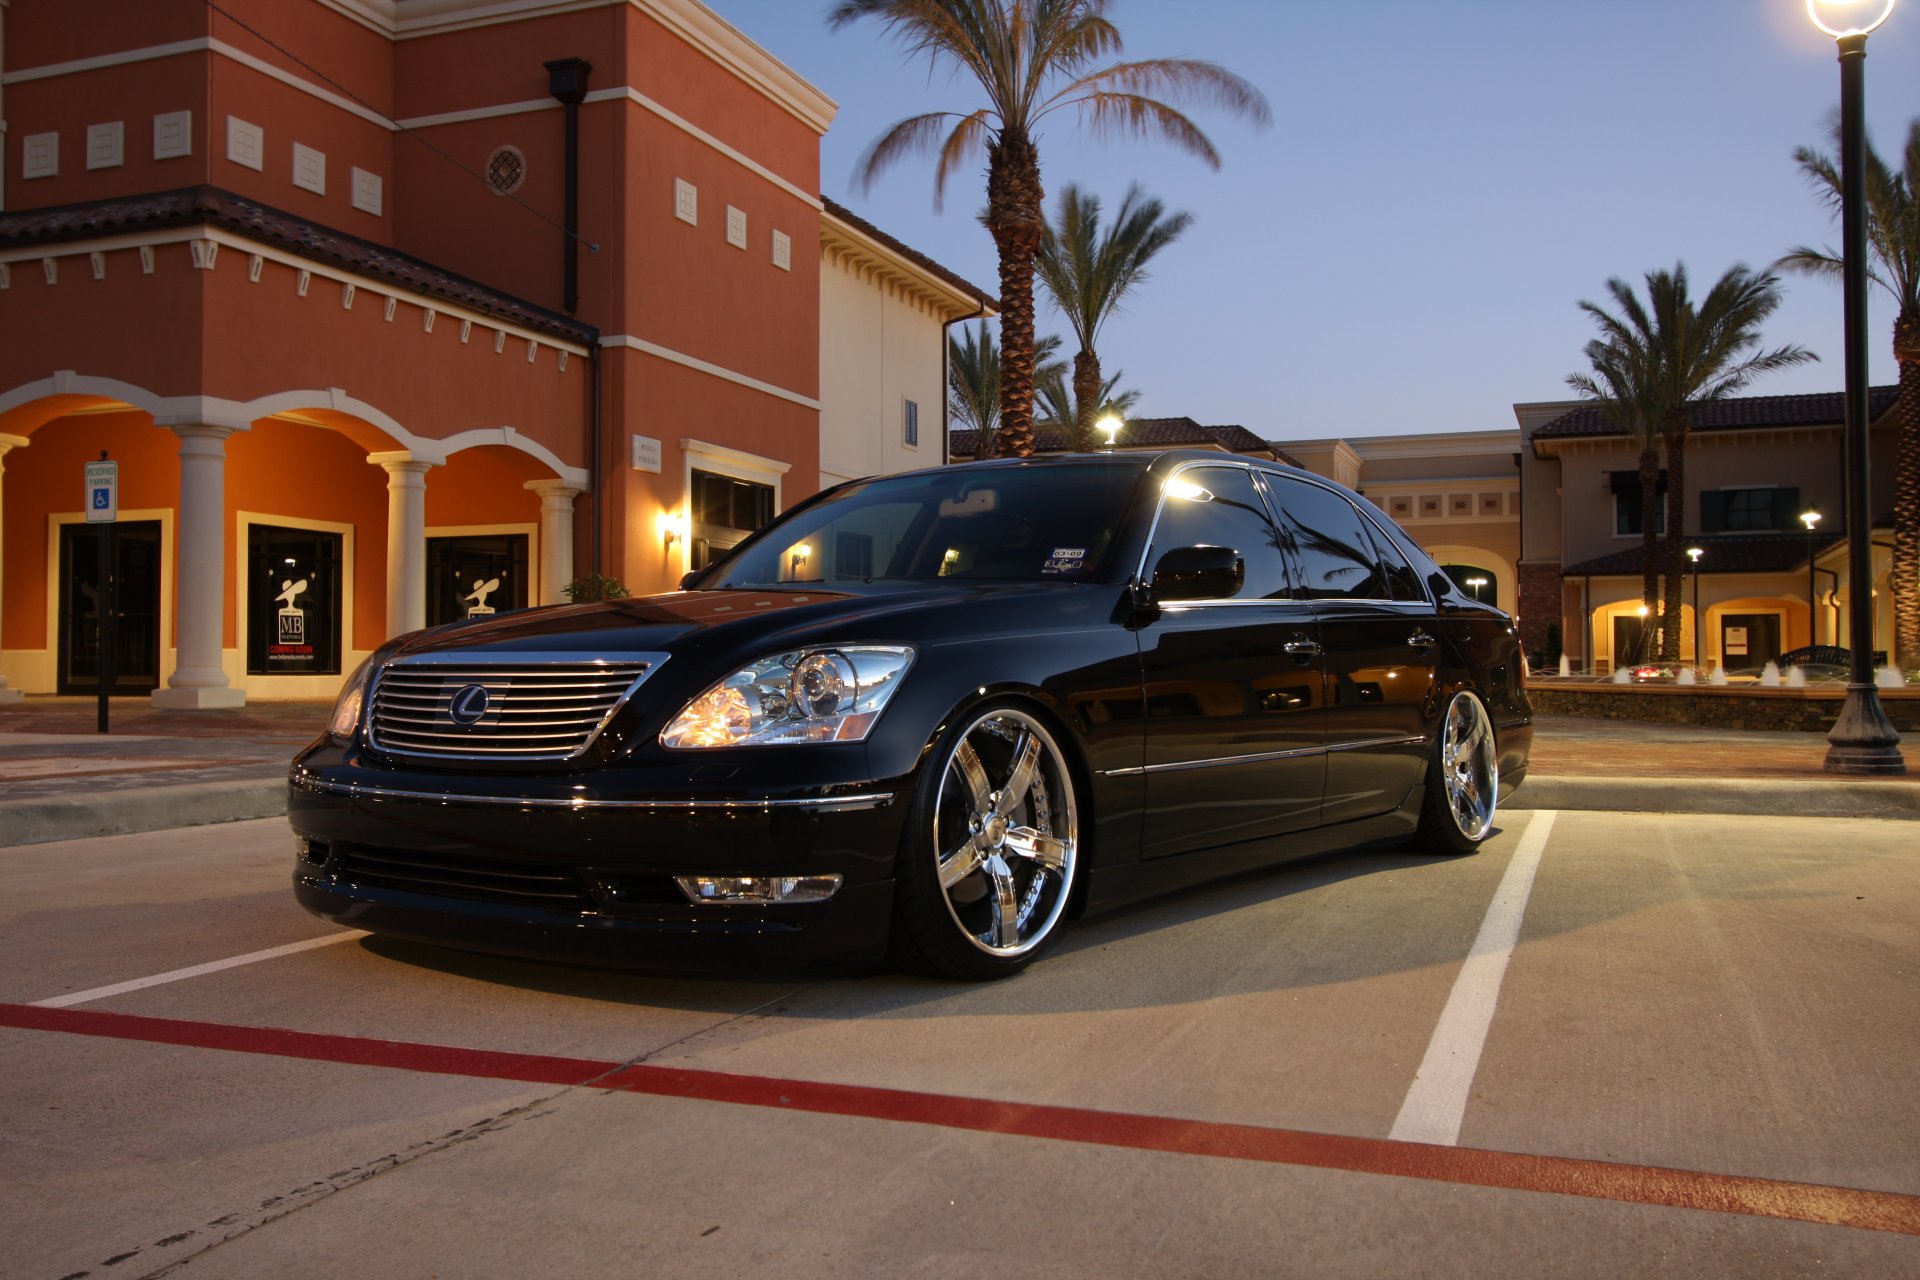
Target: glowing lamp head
675, 526
1841, 18
1809, 518
1694, 553
1111, 425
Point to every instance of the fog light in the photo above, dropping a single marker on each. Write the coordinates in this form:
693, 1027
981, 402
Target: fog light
758, 888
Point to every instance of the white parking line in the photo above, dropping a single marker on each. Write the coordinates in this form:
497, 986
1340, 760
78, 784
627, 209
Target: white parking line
1437, 1102
212, 966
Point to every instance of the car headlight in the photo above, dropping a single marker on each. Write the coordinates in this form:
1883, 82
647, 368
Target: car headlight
807, 695
346, 709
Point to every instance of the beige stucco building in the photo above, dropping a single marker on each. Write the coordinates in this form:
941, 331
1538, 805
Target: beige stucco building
1764, 584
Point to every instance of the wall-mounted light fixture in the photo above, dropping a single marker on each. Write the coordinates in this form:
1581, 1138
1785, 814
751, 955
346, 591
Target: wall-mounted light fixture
674, 526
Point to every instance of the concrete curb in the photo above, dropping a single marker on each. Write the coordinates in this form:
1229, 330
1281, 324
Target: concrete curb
117, 813
1772, 798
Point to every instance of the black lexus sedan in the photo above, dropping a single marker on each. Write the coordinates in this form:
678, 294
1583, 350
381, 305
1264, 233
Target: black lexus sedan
929, 717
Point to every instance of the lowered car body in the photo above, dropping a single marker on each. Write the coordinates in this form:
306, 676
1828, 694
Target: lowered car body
930, 717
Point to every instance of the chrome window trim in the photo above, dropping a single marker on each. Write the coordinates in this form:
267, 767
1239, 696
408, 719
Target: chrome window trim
370, 791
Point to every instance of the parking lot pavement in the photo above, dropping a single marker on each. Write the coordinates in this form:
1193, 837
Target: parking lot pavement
1680, 1046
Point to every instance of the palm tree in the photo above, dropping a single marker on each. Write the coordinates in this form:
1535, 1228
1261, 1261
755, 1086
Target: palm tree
973, 381
1692, 354
1624, 381
1053, 401
1893, 245
1031, 59
1089, 273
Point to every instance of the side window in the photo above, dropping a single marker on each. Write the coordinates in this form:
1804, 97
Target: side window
1218, 507
1402, 582
1337, 559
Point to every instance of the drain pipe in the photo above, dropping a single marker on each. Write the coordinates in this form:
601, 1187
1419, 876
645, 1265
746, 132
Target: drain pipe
567, 81
946, 379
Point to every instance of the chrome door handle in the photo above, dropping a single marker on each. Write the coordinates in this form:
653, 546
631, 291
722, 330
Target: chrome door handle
1421, 640
1302, 648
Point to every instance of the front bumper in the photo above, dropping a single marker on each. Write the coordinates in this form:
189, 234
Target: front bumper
523, 867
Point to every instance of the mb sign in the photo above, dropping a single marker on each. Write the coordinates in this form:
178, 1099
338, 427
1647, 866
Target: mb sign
103, 492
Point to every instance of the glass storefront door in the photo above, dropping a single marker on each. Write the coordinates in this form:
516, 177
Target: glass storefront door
135, 557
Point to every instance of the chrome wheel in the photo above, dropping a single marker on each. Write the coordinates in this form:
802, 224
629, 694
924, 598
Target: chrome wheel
1469, 766
1005, 833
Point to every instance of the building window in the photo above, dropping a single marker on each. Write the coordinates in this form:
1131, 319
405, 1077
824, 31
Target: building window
1626, 503
910, 427
725, 510
686, 201
506, 170
293, 604
1733, 510
475, 576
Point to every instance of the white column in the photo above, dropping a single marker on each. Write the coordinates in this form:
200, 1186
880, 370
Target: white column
6, 443
199, 678
556, 537
406, 539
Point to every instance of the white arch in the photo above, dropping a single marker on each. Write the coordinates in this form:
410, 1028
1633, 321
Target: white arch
241, 414
579, 477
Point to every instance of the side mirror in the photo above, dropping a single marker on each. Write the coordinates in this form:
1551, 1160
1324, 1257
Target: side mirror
689, 578
1198, 573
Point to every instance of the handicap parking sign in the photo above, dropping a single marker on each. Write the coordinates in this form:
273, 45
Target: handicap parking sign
103, 492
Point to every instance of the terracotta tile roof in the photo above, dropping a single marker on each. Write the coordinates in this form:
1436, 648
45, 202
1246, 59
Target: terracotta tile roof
213, 206
1724, 553
1742, 413
1147, 433
905, 250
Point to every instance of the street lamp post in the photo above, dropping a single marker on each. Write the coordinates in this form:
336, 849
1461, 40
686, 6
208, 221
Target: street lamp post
1811, 517
1694, 554
1863, 740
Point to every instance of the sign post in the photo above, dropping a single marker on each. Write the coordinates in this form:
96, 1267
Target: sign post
103, 508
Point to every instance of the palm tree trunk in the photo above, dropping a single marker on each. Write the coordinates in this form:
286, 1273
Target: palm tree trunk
1649, 547
1905, 581
1086, 398
1676, 558
1017, 221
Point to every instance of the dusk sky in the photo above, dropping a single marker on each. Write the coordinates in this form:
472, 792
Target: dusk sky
1444, 180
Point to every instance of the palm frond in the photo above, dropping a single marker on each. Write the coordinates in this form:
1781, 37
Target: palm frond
1179, 79
916, 133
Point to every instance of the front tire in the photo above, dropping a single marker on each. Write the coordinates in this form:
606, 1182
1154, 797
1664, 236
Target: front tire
1463, 779
991, 853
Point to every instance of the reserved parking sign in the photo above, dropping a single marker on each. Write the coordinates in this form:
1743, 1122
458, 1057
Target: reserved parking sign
103, 492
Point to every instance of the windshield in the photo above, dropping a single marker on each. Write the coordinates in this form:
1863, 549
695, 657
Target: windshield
1012, 524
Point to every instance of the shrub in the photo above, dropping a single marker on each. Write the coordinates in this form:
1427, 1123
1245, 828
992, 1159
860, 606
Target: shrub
593, 586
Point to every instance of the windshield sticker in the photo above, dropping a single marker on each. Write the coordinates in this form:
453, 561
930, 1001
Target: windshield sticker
1066, 560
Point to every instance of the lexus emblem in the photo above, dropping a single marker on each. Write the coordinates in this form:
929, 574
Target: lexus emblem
468, 704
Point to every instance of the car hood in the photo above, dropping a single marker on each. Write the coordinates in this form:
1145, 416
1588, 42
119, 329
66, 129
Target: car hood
717, 622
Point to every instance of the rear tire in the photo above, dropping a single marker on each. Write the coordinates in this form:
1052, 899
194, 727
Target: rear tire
990, 857
1463, 780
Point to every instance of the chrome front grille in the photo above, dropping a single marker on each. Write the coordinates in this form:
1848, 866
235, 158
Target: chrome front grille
537, 708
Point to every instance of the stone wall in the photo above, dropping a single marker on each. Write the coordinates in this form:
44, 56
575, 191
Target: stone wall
1718, 708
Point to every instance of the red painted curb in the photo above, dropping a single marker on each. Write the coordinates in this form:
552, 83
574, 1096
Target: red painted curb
1506, 1170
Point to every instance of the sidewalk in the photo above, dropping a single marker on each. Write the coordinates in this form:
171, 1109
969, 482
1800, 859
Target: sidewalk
61, 780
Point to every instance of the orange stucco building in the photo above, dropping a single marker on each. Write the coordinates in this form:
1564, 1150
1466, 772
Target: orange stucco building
301, 268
